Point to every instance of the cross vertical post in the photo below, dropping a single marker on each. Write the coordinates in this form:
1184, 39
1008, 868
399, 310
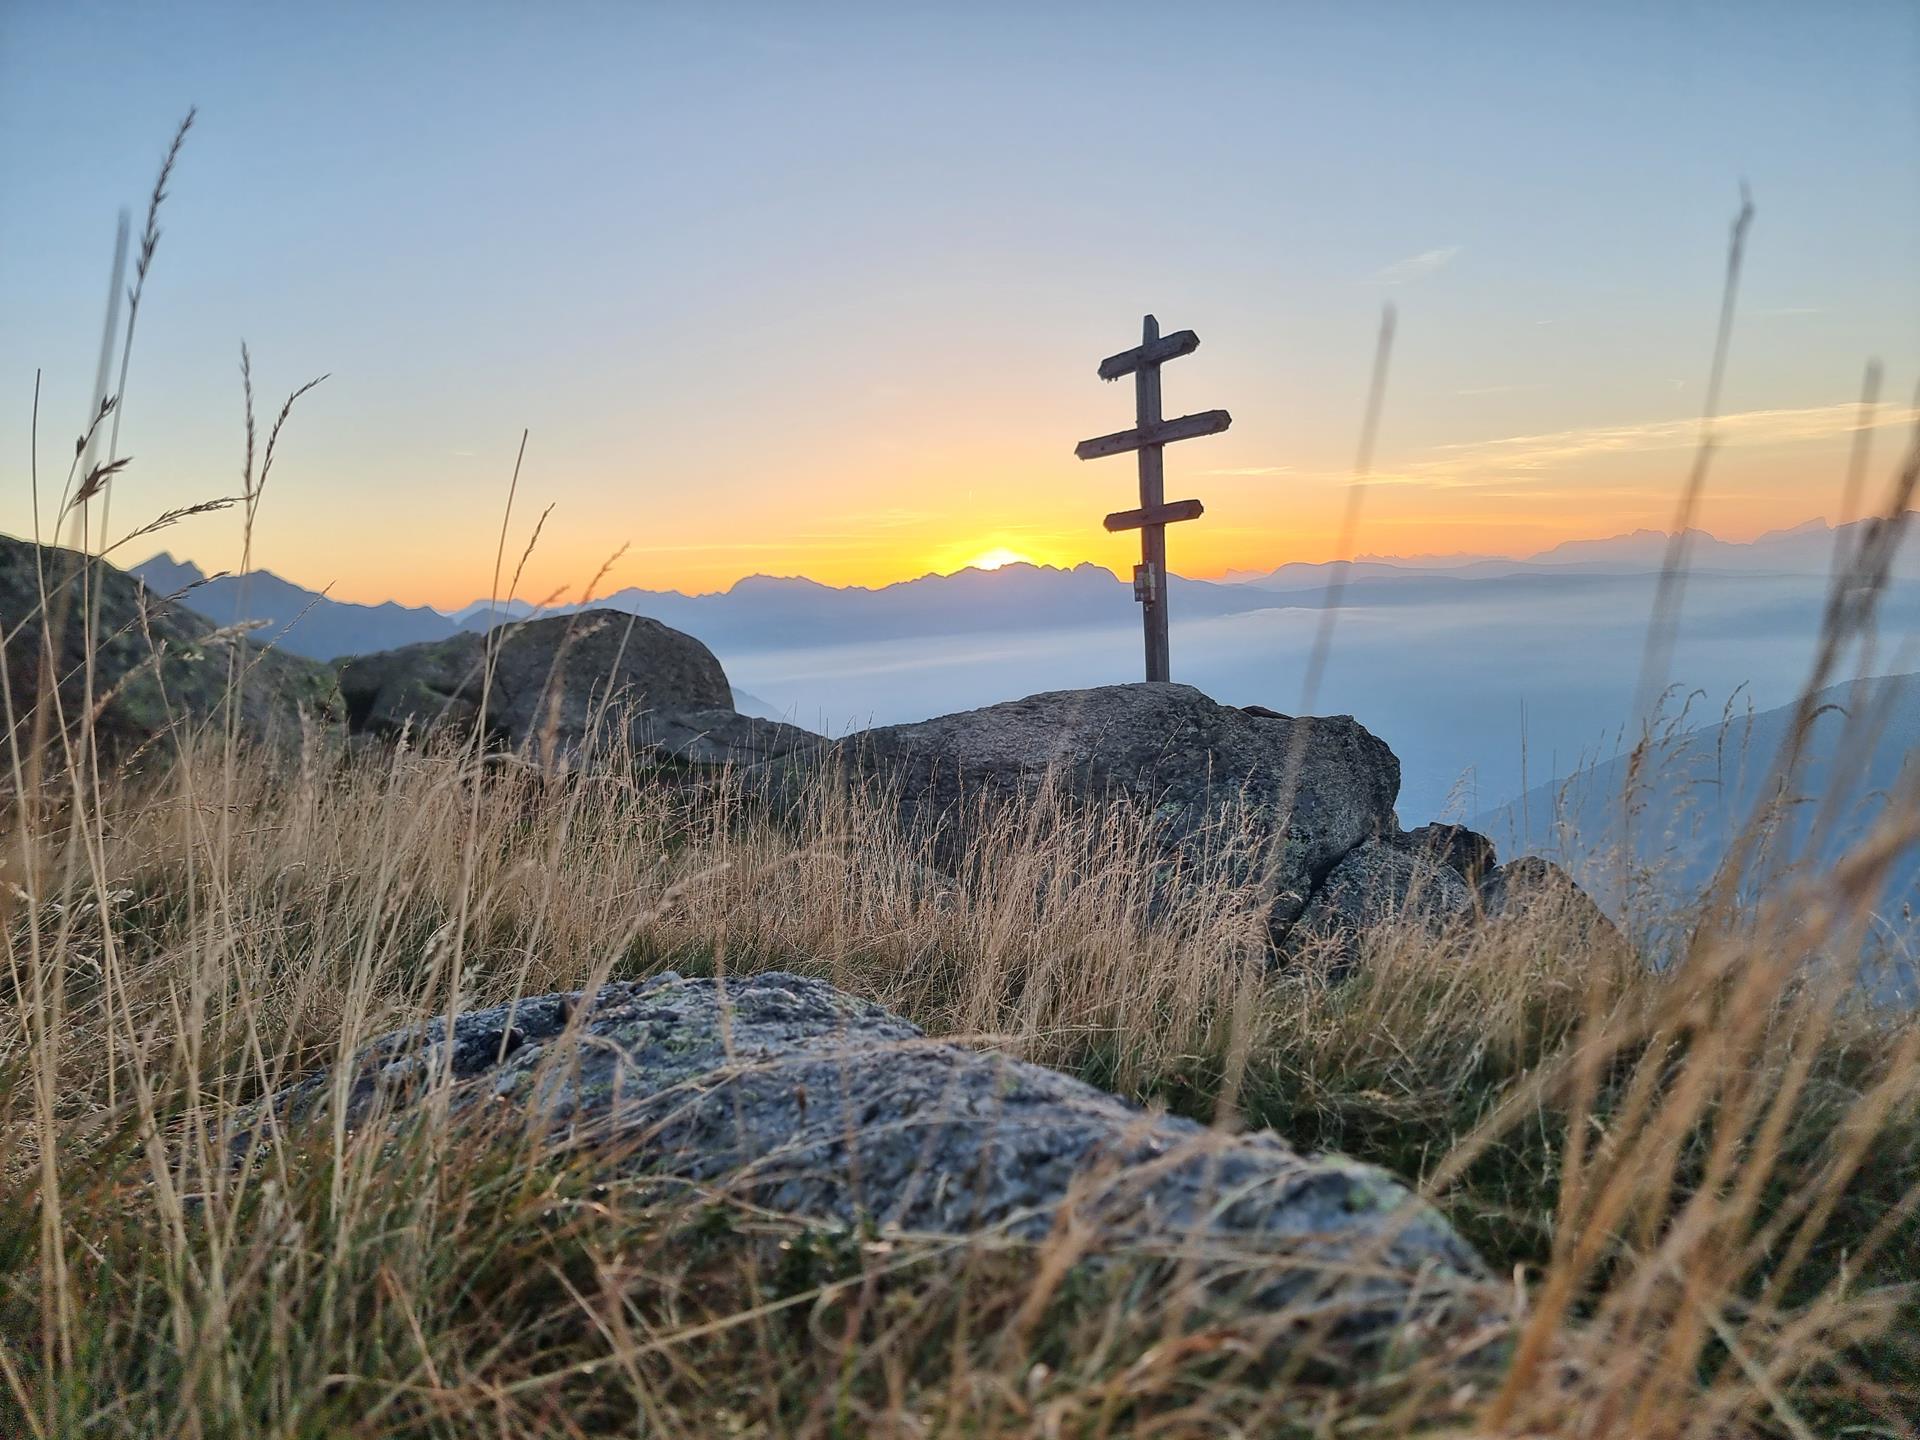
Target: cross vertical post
1153, 487
1150, 436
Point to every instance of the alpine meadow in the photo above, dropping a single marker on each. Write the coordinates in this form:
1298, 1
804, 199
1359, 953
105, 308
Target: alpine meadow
850, 1001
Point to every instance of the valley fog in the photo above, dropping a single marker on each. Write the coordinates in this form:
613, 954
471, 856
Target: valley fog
1448, 684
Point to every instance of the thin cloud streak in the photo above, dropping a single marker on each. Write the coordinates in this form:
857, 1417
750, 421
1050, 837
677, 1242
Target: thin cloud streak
1416, 267
726, 546
1479, 464
1462, 465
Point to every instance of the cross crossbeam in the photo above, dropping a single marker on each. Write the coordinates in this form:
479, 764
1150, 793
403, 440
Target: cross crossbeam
1187, 427
1167, 514
1167, 347
1149, 437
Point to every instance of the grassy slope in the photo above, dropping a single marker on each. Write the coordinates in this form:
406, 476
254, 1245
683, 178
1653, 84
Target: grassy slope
1707, 1180
1726, 1249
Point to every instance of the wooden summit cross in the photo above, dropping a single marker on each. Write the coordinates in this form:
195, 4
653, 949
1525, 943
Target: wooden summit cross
1149, 434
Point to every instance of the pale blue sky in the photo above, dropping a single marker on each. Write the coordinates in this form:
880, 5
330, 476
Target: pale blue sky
819, 288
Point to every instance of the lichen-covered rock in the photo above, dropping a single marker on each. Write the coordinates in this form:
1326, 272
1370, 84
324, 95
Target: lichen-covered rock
800, 1098
563, 683
1377, 883
1299, 793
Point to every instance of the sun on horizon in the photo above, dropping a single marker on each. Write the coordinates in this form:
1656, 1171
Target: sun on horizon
997, 557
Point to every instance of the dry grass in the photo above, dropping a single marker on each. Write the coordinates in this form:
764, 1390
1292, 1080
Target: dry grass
1705, 1182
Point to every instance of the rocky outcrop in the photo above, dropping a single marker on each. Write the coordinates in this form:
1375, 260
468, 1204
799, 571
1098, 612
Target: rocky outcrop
1378, 882
1298, 793
1530, 889
156, 663
1466, 852
1302, 806
1442, 876
562, 686
793, 1096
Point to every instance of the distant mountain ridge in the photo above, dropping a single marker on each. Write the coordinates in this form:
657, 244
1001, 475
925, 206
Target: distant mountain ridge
766, 611
758, 612
762, 612
1808, 548
303, 621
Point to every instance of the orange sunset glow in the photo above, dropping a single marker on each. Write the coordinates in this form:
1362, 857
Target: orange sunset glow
787, 337
960, 718
1012, 501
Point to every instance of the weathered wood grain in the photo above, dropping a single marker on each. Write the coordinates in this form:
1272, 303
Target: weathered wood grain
1167, 347
1186, 427
1167, 514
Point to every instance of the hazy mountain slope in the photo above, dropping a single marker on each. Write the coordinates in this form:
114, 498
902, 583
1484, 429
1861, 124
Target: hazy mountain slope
1636, 550
1806, 549
749, 704
1701, 787
302, 621
480, 610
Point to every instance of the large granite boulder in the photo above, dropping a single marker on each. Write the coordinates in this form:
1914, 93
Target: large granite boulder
156, 663
793, 1096
1304, 792
563, 684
